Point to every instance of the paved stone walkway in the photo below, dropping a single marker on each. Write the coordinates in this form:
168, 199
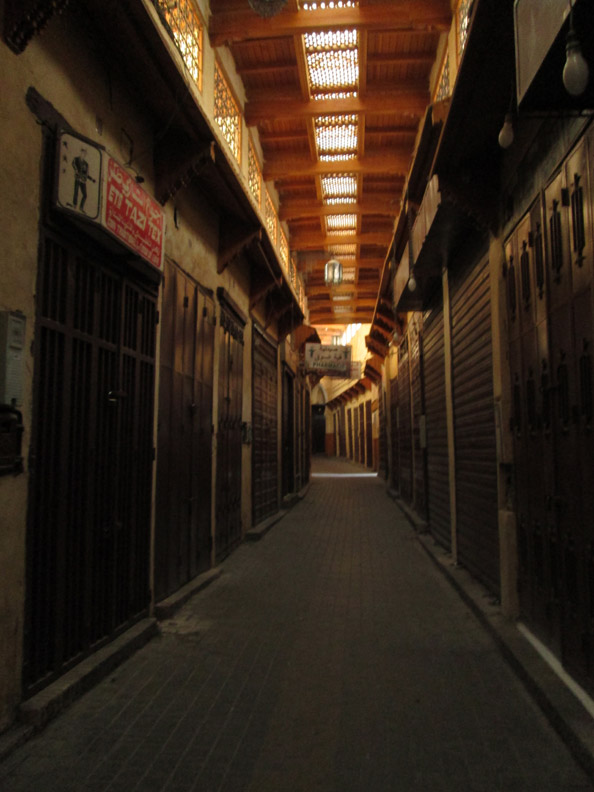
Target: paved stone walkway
331, 656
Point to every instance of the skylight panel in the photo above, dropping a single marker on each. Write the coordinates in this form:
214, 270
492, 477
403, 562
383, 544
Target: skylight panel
332, 63
339, 186
344, 251
321, 5
341, 222
337, 136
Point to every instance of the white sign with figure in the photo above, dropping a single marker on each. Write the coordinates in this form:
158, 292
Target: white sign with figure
79, 177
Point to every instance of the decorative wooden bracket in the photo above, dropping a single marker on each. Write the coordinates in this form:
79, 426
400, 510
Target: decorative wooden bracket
177, 162
375, 346
275, 315
234, 241
259, 294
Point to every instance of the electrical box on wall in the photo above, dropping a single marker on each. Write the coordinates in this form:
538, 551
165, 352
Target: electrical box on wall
12, 351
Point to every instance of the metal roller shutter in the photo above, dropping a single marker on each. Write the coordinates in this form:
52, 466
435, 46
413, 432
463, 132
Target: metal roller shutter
437, 436
405, 437
476, 467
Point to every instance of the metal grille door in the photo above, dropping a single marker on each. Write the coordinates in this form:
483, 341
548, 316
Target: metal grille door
91, 459
265, 429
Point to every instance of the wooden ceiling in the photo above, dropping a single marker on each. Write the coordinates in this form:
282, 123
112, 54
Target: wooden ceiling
397, 45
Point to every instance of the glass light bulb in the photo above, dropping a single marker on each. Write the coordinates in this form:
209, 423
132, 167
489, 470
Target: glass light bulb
412, 283
506, 135
575, 71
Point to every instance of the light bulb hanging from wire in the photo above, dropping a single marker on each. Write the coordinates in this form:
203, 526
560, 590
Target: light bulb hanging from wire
575, 71
333, 272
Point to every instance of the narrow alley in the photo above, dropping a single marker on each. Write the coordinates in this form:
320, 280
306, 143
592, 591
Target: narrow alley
331, 656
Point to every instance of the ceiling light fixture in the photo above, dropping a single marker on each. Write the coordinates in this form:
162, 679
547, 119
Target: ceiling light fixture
575, 71
333, 272
267, 8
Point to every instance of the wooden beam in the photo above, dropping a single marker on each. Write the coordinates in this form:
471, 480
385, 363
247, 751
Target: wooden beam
401, 59
399, 15
410, 102
283, 167
295, 208
318, 241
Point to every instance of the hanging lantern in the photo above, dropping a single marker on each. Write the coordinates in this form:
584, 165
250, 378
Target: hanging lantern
333, 273
267, 8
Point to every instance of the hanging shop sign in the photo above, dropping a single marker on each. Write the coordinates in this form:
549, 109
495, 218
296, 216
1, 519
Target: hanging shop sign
97, 189
329, 360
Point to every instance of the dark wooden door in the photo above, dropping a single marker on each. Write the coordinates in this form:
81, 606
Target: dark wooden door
265, 429
184, 449
288, 437
228, 529
91, 457
368, 435
350, 432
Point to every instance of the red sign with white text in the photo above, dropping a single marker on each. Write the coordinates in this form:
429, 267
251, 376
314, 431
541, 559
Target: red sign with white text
132, 215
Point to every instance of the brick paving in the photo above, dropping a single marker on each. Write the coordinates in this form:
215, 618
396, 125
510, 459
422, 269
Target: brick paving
331, 656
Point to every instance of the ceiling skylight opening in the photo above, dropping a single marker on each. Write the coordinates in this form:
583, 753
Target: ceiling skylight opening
343, 297
342, 223
342, 309
349, 274
343, 251
332, 63
340, 200
324, 4
339, 186
336, 137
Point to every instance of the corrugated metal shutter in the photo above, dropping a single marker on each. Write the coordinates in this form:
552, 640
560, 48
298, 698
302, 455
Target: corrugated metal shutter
265, 429
383, 435
437, 437
418, 412
394, 435
476, 467
404, 424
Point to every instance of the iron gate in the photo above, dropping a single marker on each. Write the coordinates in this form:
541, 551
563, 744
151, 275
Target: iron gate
184, 468
91, 458
265, 429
